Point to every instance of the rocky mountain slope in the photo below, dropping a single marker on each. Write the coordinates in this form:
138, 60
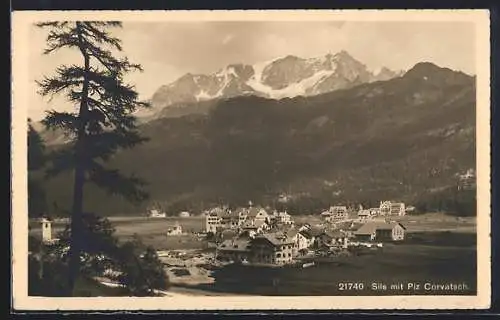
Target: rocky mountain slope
396, 139
285, 77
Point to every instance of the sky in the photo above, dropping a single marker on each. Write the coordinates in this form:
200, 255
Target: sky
167, 50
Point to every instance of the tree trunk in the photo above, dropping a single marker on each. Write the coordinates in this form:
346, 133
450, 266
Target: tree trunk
80, 162
76, 225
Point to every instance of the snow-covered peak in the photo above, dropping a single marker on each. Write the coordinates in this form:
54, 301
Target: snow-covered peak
288, 76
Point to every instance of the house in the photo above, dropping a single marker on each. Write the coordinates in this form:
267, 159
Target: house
337, 213
380, 231
213, 220
398, 209
364, 215
46, 230
305, 226
392, 208
272, 248
257, 214
256, 227
467, 181
237, 250
392, 231
242, 214
326, 214
281, 217
410, 209
300, 242
226, 234
155, 213
308, 236
333, 239
246, 234
385, 208
230, 219
348, 227
175, 230
184, 214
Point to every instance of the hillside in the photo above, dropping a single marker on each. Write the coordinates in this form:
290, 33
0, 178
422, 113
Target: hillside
398, 139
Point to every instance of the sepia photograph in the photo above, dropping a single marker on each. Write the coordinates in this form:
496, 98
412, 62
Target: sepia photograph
251, 159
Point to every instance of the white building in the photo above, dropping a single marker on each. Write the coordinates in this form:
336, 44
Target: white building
175, 230
336, 213
364, 214
281, 217
392, 208
302, 241
213, 218
47, 237
212, 222
46, 230
155, 213
257, 214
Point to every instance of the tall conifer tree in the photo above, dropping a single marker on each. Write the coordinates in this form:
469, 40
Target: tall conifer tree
103, 120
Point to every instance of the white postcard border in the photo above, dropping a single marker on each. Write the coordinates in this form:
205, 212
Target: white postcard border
20, 51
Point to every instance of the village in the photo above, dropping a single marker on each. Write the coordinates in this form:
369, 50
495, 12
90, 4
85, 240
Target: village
254, 236
197, 249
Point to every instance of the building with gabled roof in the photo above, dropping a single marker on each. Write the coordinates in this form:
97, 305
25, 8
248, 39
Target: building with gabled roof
237, 250
381, 231
336, 213
307, 236
281, 217
333, 239
257, 214
392, 208
273, 248
176, 230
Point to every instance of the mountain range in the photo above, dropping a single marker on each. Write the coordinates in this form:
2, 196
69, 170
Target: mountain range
404, 138
284, 77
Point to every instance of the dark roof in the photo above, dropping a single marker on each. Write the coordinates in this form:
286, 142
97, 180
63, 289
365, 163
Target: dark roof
228, 234
245, 234
259, 223
390, 226
231, 214
366, 229
311, 232
240, 209
253, 225
334, 233
252, 212
364, 213
291, 232
337, 208
217, 211
249, 227
276, 239
348, 225
234, 245
397, 204
371, 227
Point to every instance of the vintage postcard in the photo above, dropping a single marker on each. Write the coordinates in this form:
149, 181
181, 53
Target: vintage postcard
251, 160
